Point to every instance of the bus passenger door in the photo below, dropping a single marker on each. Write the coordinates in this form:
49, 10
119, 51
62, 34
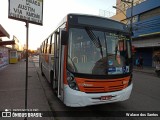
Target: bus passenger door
59, 67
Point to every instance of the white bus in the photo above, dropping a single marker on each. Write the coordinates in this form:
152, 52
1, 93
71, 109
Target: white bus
88, 60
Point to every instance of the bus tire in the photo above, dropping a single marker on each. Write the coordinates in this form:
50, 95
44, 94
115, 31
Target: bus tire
52, 82
42, 71
51, 79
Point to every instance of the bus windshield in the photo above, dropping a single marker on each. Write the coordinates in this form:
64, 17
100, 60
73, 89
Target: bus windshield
98, 52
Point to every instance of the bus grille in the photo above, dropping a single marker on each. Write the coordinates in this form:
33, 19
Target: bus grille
101, 86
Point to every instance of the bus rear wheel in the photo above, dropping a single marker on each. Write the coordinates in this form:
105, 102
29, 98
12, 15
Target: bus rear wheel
53, 81
42, 71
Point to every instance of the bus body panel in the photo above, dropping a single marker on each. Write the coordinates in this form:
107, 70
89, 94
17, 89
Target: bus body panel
74, 98
46, 64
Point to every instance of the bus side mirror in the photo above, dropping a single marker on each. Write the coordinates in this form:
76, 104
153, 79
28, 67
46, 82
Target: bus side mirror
64, 37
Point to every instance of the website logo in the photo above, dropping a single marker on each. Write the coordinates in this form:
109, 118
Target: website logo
6, 113
15, 113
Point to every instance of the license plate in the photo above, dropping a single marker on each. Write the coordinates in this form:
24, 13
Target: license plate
106, 97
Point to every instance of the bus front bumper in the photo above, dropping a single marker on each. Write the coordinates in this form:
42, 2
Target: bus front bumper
75, 98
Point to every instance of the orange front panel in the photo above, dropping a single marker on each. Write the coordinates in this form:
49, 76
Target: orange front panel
102, 85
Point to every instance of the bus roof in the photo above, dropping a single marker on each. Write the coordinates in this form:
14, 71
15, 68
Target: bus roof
94, 21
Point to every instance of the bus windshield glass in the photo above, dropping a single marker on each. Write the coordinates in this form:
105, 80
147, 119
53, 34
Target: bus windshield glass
98, 52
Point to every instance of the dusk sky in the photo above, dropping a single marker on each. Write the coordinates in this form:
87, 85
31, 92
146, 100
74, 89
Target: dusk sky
53, 13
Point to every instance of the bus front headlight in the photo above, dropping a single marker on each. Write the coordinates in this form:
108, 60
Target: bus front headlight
71, 81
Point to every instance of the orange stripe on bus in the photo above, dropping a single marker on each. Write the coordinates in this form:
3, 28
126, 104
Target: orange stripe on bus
99, 85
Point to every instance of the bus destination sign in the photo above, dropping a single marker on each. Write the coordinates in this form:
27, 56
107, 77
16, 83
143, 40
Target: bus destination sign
26, 10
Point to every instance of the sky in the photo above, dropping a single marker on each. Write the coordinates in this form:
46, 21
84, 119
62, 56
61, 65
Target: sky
53, 12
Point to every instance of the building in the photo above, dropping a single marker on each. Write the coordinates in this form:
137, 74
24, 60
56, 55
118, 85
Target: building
18, 46
11, 50
3, 50
122, 8
3, 32
146, 26
146, 29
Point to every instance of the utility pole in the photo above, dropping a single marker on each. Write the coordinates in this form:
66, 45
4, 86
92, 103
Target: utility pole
131, 20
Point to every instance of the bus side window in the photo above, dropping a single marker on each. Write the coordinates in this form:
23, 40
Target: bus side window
43, 50
52, 44
56, 44
48, 45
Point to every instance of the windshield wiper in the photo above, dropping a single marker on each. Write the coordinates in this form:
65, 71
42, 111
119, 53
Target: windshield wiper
95, 39
100, 46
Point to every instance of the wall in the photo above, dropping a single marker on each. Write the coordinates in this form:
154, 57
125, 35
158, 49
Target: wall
147, 27
148, 18
143, 7
3, 56
146, 53
119, 17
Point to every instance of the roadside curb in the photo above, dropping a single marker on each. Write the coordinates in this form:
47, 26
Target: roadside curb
145, 71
